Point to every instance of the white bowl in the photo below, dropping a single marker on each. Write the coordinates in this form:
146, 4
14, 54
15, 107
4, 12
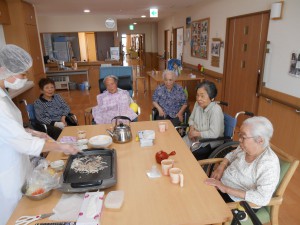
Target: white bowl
100, 141
82, 141
57, 165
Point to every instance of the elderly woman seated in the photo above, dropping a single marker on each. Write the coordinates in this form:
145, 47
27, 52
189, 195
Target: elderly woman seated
52, 110
112, 102
170, 99
206, 120
251, 172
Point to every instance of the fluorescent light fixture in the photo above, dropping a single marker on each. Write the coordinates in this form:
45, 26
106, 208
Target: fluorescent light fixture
131, 27
276, 10
143, 16
134, 23
86, 11
153, 12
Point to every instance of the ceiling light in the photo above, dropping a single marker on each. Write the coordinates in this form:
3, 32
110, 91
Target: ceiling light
86, 11
135, 23
143, 16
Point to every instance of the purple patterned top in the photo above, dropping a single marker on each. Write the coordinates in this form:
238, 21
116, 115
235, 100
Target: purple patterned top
112, 105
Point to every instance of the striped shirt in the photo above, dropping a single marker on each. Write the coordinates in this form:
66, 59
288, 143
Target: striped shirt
49, 112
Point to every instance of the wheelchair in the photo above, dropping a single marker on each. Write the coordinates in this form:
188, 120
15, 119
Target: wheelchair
228, 143
33, 122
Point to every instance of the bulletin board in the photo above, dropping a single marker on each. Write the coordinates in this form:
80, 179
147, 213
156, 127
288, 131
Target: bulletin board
200, 38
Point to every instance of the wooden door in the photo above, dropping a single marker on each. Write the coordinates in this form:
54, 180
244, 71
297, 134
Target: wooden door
246, 38
4, 15
91, 47
166, 50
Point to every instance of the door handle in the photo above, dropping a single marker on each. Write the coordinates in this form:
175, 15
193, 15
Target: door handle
257, 83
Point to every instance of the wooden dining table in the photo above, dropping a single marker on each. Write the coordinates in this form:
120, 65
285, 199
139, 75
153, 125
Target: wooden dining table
186, 75
147, 201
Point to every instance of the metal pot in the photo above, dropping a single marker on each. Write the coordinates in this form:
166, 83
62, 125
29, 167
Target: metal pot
122, 132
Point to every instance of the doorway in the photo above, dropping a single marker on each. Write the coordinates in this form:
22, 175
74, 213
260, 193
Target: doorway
178, 43
246, 38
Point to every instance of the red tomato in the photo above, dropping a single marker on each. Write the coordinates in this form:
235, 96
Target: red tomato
38, 191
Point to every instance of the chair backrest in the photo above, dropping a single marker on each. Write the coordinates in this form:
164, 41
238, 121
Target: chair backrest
30, 112
118, 71
288, 166
229, 125
124, 83
171, 63
124, 73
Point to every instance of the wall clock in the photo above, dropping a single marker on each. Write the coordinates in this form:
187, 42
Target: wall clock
110, 23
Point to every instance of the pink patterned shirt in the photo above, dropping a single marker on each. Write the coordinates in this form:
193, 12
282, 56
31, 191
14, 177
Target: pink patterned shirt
112, 105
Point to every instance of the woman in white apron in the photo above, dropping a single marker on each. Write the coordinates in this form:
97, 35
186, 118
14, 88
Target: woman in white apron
16, 142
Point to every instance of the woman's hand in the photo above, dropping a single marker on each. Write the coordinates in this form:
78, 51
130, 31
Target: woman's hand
67, 149
218, 173
161, 112
218, 184
193, 134
39, 134
180, 116
63, 120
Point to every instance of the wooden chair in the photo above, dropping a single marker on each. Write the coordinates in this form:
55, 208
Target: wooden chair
269, 213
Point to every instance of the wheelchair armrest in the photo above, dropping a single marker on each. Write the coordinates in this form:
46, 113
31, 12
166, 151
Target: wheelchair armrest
185, 114
154, 113
203, 162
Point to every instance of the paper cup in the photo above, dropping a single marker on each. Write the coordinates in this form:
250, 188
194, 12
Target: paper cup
166, 165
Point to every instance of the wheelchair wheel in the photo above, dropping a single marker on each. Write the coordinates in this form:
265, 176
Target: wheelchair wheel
220, 152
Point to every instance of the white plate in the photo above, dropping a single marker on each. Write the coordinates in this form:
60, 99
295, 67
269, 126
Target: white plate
100, 141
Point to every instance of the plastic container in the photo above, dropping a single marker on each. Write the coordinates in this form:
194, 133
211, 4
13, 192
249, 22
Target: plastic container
81, 87
72, 85
114, 200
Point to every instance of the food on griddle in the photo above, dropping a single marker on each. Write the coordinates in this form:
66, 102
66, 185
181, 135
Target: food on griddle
88, 164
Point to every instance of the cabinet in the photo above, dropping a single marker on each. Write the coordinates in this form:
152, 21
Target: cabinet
29, 14
4, 15
22, 31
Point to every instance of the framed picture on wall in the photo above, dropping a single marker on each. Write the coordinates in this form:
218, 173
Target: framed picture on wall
200, 38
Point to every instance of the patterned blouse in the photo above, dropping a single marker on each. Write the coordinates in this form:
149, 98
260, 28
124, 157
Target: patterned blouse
170, 101
112, 105
259, 178
49, 112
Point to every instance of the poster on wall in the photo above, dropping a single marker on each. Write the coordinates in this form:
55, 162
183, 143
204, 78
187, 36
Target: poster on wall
114, 53
199, 38
295, 64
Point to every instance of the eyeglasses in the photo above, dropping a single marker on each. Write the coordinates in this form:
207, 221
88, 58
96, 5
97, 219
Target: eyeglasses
242, 137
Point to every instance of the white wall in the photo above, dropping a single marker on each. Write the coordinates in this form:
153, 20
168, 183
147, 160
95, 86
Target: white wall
149, 29
71, 23
284, 36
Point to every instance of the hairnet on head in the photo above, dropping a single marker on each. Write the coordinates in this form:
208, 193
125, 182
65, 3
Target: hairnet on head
13, 61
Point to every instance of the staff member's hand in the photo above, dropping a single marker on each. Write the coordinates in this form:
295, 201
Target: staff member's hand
39, 134
67, 149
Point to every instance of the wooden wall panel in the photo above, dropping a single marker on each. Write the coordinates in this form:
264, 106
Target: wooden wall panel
286, 123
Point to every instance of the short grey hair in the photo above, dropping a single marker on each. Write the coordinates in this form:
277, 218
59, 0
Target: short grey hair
260, 127
169, 72
112, 77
